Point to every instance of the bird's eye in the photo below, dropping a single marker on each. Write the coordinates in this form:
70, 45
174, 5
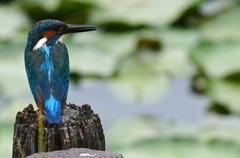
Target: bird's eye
60, 28
56, 28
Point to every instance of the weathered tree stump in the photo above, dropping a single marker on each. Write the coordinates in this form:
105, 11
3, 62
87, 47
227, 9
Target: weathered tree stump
80, 128
76, 153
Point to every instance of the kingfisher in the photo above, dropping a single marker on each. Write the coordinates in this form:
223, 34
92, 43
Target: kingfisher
47, 65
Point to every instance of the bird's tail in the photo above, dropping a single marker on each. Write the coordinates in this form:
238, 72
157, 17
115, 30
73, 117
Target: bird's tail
53, 110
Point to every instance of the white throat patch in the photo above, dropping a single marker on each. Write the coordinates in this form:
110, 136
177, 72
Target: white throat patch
42, 43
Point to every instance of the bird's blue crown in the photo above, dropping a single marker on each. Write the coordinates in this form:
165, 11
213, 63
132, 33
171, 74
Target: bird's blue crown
48, 28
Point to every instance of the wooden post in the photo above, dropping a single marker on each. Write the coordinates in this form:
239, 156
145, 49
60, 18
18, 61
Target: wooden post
80, 128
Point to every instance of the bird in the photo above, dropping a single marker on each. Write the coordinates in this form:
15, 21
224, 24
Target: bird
47, 65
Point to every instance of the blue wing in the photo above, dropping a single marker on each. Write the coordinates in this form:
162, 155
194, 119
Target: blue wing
48, 72
48, 75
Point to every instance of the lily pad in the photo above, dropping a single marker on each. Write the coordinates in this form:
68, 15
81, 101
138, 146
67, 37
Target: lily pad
186, 39
218, 60
140, 12
13, 20
12, 71
151, 137
223, 27
226, 93
47, 5
98, 53
144, 78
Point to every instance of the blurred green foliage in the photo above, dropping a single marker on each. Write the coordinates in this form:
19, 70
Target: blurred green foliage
145, 136
139, 47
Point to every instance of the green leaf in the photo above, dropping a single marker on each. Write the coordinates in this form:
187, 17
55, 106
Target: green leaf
140, 89
226, 93
47, 5
223, 27
12, 22
6, 135
141, 78
97, 53
12, 70
151, 137
218, 60
140, 12
180, 38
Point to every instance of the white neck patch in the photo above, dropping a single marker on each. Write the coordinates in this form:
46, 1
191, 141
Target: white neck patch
42, 43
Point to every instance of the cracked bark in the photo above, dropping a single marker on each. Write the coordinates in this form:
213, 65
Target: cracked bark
80, 128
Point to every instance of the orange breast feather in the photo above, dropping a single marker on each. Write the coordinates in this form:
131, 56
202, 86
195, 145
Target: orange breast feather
49, 34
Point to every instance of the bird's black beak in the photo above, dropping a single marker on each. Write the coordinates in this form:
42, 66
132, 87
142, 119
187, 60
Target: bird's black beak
74, 28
